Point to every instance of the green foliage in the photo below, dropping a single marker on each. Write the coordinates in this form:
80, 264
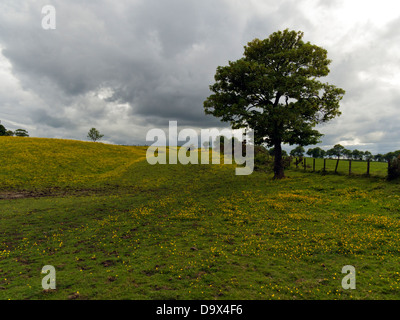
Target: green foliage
2, 130
390, 155
297, 152
21, 133
274, 90
263, 160
94, 135
271, 151
316, 152
5, 132
357, 154
338, 151
379, 157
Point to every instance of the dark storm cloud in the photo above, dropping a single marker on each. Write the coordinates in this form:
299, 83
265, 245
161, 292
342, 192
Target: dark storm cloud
41, 116
127, 66
151, 54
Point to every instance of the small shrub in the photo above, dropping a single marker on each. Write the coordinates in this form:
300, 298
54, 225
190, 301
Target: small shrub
287, 161
262, 159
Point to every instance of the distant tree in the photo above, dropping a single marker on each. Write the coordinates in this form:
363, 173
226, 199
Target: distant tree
368, 155
94, 135
396, 153
379, 157
297, 152
357, 154
206, 144
9, 133
347, 153
21, 133
2, 130
316, 152
390, 155
337, 151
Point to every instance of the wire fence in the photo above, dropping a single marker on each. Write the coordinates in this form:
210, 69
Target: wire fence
342, 166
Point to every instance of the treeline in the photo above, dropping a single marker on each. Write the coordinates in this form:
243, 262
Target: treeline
10, 133
338, 151
262, 158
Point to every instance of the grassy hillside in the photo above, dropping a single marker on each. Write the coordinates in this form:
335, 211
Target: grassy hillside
35, 163
190, 232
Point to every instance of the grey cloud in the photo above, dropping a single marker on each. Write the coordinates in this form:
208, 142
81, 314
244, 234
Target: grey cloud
41, 116
159, 57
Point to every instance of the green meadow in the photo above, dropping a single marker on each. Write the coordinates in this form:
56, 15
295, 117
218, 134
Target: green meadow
115, 227
376, 169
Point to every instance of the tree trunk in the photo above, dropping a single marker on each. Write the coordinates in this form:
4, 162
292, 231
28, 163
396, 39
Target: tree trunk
278, 163
337, 164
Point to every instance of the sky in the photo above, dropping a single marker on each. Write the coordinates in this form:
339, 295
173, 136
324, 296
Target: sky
125, 67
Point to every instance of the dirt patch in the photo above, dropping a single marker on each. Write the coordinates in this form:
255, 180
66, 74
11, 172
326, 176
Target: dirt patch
27, 194
108, 263
47, 193
60, 192
13, 195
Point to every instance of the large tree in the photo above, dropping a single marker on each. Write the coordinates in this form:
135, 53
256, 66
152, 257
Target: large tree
274, 89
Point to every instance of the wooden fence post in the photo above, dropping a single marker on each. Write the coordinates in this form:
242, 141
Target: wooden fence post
349, 167
337, 164
324, 165
305, 166
368, 166
314, 165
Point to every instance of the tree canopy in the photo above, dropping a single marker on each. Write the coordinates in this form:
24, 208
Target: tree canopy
274, 89
3, 130
21, 133
94, 135
297, 152
316, 152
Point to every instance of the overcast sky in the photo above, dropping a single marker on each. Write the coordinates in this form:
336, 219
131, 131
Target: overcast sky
125, 67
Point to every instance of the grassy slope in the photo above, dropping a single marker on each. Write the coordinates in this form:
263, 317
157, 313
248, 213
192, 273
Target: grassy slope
34, 163
194, 232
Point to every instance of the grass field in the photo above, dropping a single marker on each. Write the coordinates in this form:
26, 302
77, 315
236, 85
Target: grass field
378, 169
115, 227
